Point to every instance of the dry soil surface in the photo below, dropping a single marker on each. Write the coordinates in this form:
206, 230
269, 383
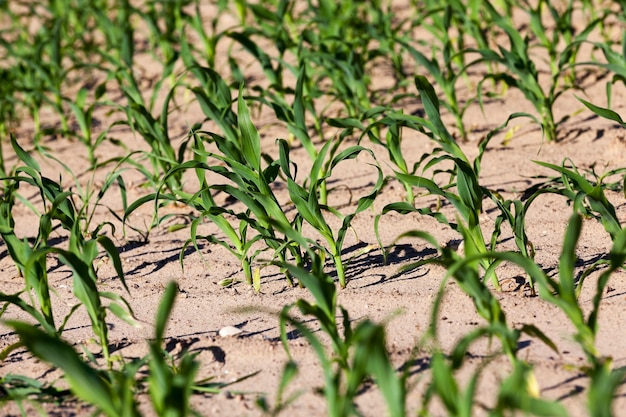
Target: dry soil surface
375, 289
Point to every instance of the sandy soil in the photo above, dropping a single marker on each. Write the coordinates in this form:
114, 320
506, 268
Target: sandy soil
374, 291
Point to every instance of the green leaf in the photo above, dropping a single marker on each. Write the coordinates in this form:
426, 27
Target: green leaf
164, 311
603, 112
84, 381
24, 156
250, 140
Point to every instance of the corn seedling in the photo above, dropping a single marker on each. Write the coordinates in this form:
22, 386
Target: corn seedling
118, 32
20, 250
587, 198
317, 61
294, 115
115, 392
83, 113
170, 386
23, 390
273, 22
310, 209
616, 67
33, 82
290, 371
487, 305
8, 109
446, 63
563, 293
80, 256
237, 240
165, 21
208, 41
337, 50
562, 33
521, 70
111, 392
469, 194
518, 392
163, 157
356, 352
247, 182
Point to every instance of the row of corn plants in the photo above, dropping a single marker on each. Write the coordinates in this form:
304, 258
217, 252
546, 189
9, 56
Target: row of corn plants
81, 60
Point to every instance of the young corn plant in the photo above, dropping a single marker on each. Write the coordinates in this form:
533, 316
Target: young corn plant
273, 22
393, 125
118, 33
207, 49
446, 63
33, 85
57, 206
80, 257
517, 393
165, 21
237, 239
295, 117
521, 68
616, 65
111, 392
240, 162
170, 384
587, 198
358, 353
471, 281
155, 131
338, 43
115, 392
20, 251
564, 295
83, 114
9, 106
446, 79
562, 31
468, 197
306, 199
290, 371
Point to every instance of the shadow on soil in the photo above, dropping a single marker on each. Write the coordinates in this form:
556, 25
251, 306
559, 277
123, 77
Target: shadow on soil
360, 267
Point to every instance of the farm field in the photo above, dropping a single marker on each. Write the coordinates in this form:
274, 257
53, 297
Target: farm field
231, 208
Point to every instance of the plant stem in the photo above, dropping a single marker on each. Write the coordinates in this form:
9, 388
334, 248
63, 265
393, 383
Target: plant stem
247, 269
547, 119
341, 273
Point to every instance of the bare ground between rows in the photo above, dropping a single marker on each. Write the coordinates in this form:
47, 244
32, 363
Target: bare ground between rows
375, 289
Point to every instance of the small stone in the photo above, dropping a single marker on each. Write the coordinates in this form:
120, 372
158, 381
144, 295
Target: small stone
229, 331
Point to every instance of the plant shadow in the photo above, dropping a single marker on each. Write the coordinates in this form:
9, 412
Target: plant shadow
360, 267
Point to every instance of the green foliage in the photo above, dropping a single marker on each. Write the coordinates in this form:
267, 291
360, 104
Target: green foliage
80, 256
357, 353
86, 382
115, 392
73, 69
306, 201
521, 67
467, 199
